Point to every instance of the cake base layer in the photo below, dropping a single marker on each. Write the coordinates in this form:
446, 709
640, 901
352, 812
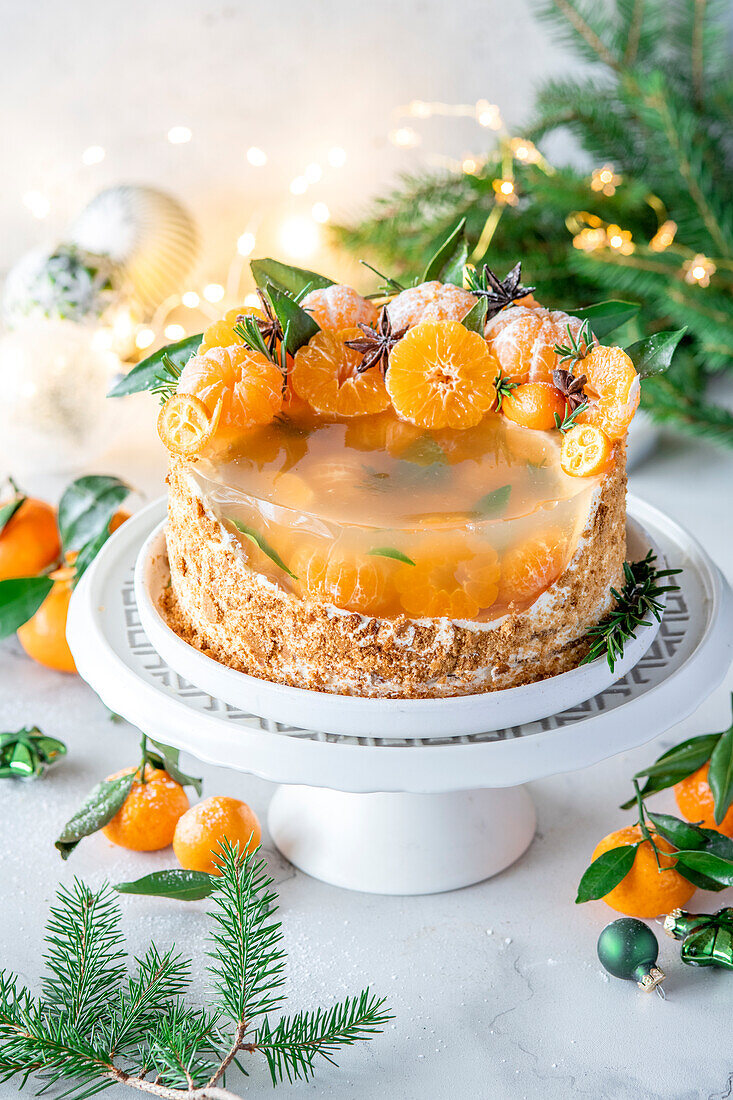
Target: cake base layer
219, 604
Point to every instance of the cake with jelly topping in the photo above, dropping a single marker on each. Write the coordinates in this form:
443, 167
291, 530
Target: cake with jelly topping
417, 496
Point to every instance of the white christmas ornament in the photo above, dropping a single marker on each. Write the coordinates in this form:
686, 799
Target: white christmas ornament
54, 415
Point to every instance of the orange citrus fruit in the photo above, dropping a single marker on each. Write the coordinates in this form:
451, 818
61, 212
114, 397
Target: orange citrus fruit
451, 577
325, 374
613, 390
121, 516
531, 566
523, 339
147, 819
30, 540
534, 405
43, 637
586, 450
382, 432
646, 891
345, 578
431, 301
697, 804
337, 307
248, 385
185, 426
221, 334
441, 376
201, 830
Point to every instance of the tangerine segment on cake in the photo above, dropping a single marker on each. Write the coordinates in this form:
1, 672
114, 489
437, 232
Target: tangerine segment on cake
417, 507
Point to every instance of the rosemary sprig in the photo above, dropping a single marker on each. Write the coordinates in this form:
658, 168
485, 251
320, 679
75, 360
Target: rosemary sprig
389, 286
578, 346
166, 379
98, 1023
570, 418
503, 388
637, 600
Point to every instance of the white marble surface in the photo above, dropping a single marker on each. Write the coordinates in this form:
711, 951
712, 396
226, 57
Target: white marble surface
496, 989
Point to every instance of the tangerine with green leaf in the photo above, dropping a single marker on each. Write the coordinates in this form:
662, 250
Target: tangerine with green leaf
201, 831
647, 890
29, 541
43, 637
148, 817
697, 803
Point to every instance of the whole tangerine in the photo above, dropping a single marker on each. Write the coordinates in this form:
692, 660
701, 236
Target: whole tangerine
697, 804
147, 819
646, 891
30, 540
201, 830
43, 637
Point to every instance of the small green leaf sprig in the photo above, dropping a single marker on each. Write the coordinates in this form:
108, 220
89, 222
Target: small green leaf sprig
637, 600
97, 1022
106, 799
27, 753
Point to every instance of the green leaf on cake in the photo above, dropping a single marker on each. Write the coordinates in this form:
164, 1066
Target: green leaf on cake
391, 552
475, 319
654, 354
20, 598
293, 280
605, 873
298, 326
493, 503
100, 806
87, 507
449, 258
260, 541
152, 372
606, 317
175, 883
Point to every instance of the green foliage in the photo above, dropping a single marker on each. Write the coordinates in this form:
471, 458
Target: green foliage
99, 1021
656, 103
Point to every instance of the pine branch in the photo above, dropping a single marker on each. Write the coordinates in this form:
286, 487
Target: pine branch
297, 1041
249, 964
584, 26
84, 956
145, 996
184, 1047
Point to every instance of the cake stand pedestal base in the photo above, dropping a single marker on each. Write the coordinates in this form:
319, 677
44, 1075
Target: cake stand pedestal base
398, 843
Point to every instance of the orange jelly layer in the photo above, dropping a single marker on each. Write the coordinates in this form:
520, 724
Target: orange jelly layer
378, 516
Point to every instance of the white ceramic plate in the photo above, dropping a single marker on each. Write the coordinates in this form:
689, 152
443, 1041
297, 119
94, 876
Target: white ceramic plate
360, 717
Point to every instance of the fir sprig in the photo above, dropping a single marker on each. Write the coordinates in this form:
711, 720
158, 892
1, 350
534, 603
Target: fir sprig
166, 379
503, 388
638, 599
96, 1024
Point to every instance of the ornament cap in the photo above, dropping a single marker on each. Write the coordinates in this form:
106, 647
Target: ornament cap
651, 979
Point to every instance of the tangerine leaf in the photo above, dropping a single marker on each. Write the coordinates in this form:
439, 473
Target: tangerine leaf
260, 541
446, 256
720, 774
674, 765
391, 552
8, 510
677, 832
86, 508
169, 762
605, 873
175, 883
654, 354
291, 280
606, 317
20, 598
714, 867
99, 807
150, 372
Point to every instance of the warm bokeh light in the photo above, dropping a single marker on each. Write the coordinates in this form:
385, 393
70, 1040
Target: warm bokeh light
299, 237
144, 338
337, 157
94, 154
190, 299
214, 292
699, 270
174, 332
404, 137
252, 300
179, 135
299, 185
246, 244
320, 212
38, 204
256, 157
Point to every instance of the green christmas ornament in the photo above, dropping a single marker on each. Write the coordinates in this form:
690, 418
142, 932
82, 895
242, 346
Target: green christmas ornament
707, 938
628, 949
27, 753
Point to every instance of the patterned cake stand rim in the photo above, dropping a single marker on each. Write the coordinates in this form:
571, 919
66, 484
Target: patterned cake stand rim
97, 633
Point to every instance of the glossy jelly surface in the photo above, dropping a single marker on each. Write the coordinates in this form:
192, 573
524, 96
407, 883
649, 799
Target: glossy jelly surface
378, 516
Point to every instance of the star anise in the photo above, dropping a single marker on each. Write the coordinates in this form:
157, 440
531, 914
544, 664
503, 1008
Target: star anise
570, 387
269, 325
376, 343
498, 293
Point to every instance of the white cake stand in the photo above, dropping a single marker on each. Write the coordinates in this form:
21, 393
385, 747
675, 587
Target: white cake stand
384, 811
